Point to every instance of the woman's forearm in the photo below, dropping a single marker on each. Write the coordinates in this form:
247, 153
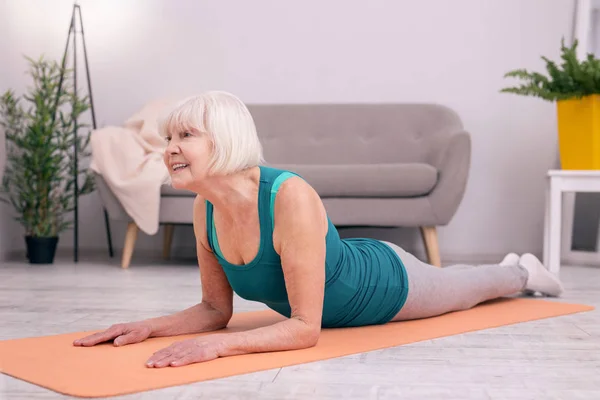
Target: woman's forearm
290, 334
196, 319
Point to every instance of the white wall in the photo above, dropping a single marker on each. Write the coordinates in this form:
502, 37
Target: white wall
6, 225
453, 53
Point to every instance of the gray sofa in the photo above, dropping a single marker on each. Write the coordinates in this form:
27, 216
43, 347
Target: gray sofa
377, 165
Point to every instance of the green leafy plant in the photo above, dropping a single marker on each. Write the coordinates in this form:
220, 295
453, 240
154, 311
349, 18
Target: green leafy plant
42, 130
571, 79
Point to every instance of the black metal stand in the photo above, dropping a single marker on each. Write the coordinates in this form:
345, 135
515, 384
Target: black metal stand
72, 32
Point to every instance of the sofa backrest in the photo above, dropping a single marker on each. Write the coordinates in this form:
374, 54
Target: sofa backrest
351, 133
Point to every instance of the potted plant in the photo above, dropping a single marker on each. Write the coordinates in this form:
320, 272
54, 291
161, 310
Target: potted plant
575, 87
43, 144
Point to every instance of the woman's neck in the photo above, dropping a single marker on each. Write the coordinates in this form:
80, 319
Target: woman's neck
232, 195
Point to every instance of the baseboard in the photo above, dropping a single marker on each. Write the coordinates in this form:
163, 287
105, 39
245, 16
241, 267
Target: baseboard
99, 255
188, 255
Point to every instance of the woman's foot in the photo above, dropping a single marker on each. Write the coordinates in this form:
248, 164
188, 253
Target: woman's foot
510, 259
540, 279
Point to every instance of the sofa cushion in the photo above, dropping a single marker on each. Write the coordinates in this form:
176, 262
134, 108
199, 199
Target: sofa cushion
168, 190
357, 180
367, 180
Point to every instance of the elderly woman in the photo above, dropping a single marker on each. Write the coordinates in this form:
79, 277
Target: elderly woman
264, 234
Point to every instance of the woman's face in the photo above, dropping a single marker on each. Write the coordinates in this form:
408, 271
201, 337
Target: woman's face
186, 156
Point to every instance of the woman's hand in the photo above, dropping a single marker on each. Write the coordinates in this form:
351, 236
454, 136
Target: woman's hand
204, 348
123, 334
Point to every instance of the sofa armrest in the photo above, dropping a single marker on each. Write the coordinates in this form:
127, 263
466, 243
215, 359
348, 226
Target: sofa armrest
452, 158
109, 201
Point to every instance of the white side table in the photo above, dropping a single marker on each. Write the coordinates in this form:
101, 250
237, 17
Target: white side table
556, 238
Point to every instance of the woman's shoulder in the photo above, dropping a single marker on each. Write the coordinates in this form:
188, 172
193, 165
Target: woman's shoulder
277, 177
291, 193
285, 180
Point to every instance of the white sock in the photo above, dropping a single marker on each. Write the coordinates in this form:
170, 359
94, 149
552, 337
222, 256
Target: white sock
540, 279
513, 259
510, 259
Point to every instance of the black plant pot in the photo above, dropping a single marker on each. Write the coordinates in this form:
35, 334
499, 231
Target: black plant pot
41, 250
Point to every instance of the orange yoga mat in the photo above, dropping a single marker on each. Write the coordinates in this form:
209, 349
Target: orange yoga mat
104, 370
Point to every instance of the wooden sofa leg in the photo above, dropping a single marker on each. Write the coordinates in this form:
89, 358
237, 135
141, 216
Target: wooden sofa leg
168, 240
130, 238
430, 239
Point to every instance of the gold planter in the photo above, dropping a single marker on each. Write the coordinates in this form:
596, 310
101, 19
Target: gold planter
579, 133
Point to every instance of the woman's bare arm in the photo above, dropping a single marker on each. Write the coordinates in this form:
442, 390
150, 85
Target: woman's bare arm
301, 226
216, 308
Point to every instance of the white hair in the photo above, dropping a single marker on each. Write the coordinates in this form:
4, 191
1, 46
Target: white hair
229, 124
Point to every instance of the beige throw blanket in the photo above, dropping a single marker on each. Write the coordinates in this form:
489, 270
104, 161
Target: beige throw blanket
130, 159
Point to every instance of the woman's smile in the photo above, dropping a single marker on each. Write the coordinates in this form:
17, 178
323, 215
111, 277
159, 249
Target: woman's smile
178, 167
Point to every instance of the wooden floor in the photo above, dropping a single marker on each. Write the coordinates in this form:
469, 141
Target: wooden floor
557, 358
